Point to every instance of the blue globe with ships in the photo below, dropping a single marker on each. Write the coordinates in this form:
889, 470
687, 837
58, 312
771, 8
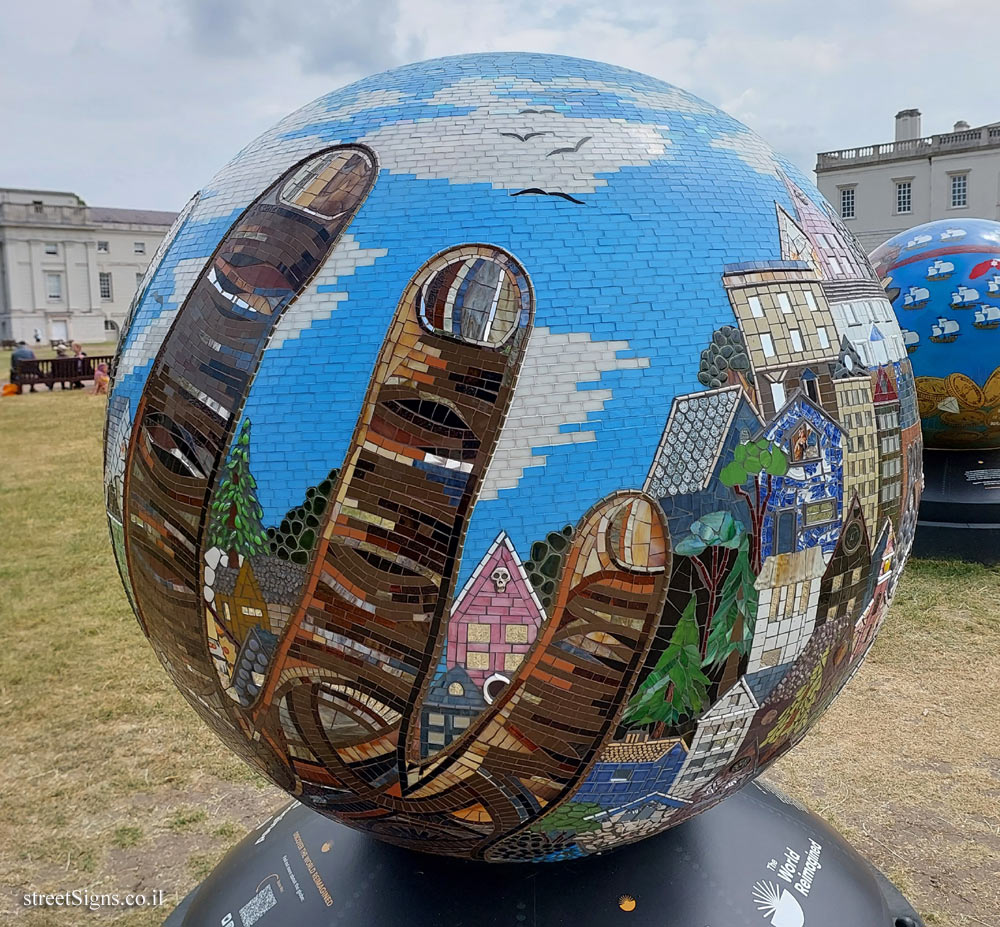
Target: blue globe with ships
510, 455
944, 282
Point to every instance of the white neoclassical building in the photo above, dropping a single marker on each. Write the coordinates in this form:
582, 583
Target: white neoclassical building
68, 270
883, 189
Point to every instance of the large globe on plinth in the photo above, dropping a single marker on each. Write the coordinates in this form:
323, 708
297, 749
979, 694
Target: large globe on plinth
510, 455
944, 282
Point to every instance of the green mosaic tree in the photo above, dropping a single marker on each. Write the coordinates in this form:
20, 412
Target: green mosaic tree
546, 563
234, 521
730, 632
676, 689
718, 547
710, 544
755, 459
298, 534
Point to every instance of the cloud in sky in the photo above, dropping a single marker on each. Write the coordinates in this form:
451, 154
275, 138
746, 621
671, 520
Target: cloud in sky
139, 102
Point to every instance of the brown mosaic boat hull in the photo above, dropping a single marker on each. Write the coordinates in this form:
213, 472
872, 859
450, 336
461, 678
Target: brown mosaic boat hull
187, 417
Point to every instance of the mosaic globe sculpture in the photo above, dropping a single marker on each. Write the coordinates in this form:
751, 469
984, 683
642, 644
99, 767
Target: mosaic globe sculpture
501, 456
944, 282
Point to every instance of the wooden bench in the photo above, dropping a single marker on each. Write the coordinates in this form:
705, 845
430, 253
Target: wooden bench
52, 370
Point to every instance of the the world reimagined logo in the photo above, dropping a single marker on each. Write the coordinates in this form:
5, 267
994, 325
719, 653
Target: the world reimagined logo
780, 904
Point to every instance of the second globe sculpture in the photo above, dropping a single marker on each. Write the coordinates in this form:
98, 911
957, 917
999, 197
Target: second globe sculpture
511, 456
944, 281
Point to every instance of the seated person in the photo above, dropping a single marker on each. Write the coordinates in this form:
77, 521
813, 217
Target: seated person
21, 353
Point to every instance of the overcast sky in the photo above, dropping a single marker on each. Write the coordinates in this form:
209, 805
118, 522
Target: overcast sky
138, 102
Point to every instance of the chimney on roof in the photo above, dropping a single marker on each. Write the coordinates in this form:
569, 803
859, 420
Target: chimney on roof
907, 125
961, 126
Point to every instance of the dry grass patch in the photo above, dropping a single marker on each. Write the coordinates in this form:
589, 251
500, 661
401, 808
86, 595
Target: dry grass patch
907, 762
112, 783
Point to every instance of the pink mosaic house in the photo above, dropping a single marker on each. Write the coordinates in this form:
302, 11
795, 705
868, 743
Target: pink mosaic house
494, 620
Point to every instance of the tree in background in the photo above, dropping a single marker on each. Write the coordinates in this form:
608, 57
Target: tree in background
710, 544
718, 547
234, 523
754, 459
729, 634
296, 537
676, 689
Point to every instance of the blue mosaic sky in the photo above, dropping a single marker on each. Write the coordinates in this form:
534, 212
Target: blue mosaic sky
639, 261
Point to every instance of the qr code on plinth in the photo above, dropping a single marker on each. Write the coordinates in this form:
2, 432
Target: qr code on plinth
258, 906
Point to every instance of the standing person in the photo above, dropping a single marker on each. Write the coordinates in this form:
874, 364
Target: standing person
38, 336
79, 354
21, 353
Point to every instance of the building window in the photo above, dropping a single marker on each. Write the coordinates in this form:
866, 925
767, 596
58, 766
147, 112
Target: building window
104, 284
252, 612
811, 300
478, 633
819, 512
904, 197
138, 247
803, 444
478, 661
847, 202
516, 634
622, 774
38, 206
778, 395
456, 689
796, 337
102, 247
824, 338
51, 247
53, 286
511, 661
138, 279
755, 307
766, 344
959, 190
784, 303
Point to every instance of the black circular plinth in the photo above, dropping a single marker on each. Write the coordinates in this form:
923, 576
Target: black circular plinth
756, 859
960, 508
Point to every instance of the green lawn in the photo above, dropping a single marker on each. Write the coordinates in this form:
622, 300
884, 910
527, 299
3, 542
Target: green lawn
111, 782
